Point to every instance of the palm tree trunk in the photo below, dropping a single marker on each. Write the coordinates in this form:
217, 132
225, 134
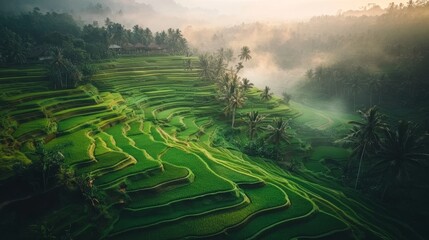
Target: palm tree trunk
360, 165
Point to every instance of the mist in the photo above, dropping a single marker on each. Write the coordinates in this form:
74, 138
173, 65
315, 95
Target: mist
285, 38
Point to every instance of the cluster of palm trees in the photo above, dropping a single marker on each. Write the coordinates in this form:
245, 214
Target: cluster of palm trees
276, 131
172, 39
231, 87
62, 72
397, 151
232, 93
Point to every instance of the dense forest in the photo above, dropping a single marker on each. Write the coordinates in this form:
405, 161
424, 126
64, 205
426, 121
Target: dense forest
372, 60
56, 39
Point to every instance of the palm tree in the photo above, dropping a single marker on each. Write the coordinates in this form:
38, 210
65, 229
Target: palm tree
364, 136
147, 37
318, 74
49, 164
187, 64
286, 97
227, 85
235, 100
219, 66
253, 120
231, 94
57, 68
239, 66
400, 151
245, 54
62, 72
309, 74
228, 54
266, 95
204, 64
246, 84
277, 133
354, 87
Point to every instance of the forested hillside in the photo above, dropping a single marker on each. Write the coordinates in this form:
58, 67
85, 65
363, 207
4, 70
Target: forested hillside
371, 60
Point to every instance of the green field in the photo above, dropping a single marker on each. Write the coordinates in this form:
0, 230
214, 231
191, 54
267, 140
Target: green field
151, 129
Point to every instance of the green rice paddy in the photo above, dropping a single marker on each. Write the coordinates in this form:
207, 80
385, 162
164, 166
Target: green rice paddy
151, 130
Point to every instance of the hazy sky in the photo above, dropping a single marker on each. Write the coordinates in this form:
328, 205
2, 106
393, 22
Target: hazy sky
161, 14
246, 10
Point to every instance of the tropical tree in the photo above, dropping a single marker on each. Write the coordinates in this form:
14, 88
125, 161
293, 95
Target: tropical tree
62, 72
355, 87
245, 54
228, 55
246, 84
231, 93
48, 164
204, 64
175, 42
318, 75
374, 85
266, 95
364, 136
147, 37
161, 38
116, 33
218, 66
277, 133
253, 120
286, 97
235, 100
239, 66
12, 47
137, 34
187, 64
309, 74
401, 151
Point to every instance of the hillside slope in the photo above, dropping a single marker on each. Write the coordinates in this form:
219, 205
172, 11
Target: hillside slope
148, 131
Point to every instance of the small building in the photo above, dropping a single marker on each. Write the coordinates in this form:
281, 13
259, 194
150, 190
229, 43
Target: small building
155, 48
115, 47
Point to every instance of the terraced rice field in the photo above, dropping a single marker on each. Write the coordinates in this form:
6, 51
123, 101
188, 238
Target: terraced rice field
150, 128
